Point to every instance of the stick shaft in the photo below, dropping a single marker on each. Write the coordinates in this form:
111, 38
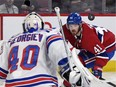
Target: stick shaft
57, 10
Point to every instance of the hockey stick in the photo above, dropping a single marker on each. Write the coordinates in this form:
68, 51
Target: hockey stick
57, 10
95, 82
86, 74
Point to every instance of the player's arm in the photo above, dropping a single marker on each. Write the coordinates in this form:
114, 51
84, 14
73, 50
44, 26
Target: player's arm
3, 61
57, 53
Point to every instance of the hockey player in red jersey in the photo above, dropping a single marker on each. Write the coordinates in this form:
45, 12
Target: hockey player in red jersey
96, 44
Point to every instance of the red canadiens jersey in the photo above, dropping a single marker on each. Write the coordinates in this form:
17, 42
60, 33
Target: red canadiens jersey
94, 39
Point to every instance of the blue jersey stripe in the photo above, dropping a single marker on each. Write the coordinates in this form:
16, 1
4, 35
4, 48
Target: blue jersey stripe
48, 45
4, 71
29, 78
52, 39
32, 81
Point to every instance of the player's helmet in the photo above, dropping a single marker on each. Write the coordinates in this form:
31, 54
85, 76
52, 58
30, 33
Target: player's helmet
74, 18
33, 22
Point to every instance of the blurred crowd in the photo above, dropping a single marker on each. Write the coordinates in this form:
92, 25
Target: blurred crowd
66, 6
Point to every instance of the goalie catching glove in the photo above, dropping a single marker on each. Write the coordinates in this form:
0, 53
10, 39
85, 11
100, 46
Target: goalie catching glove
71, 76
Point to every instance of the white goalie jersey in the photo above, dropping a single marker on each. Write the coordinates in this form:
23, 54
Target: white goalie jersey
30, 59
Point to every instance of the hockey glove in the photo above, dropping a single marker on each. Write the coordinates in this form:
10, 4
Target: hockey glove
72, 76
97, 71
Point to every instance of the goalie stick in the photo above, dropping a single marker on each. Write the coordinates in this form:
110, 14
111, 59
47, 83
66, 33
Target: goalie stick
87, 76
95, 82
57, 10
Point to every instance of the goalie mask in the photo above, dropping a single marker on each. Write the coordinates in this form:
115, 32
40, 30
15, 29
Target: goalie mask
33, 22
